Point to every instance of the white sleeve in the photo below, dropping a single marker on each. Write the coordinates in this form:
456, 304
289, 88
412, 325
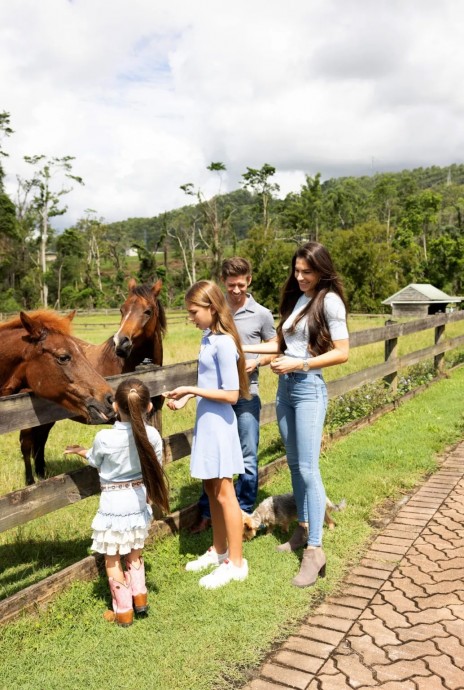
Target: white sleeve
335, 313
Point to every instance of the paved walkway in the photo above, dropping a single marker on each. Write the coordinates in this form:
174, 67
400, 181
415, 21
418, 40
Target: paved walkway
399, 623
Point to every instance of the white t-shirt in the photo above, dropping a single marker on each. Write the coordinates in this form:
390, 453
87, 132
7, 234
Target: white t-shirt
297, 342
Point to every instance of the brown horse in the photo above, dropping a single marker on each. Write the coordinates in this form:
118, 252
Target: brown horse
139, 338
38, 355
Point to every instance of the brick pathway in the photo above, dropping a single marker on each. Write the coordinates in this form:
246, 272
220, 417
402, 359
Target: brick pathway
399, 623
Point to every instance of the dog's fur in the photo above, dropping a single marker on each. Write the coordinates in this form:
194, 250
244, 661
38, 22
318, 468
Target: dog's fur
280, 511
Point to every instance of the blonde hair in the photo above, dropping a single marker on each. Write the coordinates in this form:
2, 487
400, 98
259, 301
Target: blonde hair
206, 294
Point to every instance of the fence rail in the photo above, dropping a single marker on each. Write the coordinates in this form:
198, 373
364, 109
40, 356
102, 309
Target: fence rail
23, 411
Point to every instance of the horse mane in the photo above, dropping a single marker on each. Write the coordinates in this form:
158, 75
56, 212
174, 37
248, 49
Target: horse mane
146, 292
51, 320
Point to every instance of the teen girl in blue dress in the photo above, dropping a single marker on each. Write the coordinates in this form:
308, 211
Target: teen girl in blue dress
216, 451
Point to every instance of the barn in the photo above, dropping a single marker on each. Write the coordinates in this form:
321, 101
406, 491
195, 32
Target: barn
420, 299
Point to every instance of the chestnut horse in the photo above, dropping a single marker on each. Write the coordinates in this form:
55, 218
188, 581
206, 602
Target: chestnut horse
139, 338
38, 355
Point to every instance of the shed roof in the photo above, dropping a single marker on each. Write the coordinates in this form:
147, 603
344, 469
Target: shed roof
416, 293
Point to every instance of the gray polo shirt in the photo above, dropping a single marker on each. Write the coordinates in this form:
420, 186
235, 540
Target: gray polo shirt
254, 324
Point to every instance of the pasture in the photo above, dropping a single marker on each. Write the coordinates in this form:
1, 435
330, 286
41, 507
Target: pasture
199, 640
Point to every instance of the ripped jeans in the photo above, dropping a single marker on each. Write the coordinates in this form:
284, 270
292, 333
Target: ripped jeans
301, 405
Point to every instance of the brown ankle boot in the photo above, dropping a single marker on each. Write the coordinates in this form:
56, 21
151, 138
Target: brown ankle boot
298, 539
312, 566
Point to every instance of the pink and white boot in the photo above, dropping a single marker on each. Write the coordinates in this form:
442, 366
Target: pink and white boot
139, 590
122, 601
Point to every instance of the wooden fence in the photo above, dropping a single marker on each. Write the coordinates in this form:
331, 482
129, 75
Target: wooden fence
22, 411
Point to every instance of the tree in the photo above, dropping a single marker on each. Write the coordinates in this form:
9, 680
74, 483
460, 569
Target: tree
420, 213
215, 221
302, 212
183, 229
46, 202
5, 131
384, 195
367, 264
258, 182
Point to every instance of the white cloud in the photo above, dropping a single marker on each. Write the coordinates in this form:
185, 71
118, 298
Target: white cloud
145, 95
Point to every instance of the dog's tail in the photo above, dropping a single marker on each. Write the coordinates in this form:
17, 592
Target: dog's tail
337, 507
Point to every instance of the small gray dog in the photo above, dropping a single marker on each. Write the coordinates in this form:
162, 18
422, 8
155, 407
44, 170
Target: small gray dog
280, 511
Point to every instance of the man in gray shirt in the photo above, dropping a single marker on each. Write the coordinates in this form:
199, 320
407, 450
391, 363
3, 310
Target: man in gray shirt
255, 324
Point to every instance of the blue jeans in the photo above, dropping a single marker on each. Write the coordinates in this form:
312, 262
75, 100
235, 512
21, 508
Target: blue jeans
246, 488
301, 404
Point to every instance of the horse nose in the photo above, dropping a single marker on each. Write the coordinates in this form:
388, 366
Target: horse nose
109, 399
123, 346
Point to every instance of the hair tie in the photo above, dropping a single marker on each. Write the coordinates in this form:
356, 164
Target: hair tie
133, 390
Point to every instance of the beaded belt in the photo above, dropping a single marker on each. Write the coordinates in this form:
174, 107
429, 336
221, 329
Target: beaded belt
121, 485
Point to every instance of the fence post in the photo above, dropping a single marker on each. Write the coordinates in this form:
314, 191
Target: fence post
439, 360
391, 353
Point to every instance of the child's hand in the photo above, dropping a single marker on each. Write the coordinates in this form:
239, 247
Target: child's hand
77, 449
178, 397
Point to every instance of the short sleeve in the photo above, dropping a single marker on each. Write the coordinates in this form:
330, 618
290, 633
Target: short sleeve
156, 442
226, 353
95, 455
335, 313
268, 330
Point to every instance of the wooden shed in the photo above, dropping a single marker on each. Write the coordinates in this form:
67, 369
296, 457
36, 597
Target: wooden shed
420, 299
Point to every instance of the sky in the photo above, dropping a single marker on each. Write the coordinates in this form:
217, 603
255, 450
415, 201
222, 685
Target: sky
146, 94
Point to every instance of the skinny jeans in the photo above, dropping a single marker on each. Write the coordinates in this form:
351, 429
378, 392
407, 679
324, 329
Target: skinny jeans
301, 405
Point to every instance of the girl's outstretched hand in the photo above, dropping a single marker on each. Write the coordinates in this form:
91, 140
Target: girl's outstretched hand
74, 449
178, 397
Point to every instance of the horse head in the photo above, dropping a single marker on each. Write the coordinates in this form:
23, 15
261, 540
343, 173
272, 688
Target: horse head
143, 322
54, 367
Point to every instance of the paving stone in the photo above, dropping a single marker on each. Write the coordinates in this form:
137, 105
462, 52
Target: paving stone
380, 563
301, 662
428, 683
370, 653
261, 684
330, 622
369, 582
444, 667
411, 650
287, 676
350, 601
332, 637
314, 648
430, 616
453, 648
360, 591
379, 632
389, 548
340, 611
402, 670
423, 631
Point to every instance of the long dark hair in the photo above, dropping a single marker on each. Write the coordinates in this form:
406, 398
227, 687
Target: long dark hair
205, 293
133, 398
319, 260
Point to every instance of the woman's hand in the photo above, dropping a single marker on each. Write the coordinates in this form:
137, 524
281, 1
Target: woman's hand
284, 365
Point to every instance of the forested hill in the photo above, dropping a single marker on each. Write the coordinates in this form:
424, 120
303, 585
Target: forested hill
384, 231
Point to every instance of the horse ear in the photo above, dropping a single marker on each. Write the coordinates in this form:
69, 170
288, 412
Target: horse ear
34, 328
132, 284
71, 315
156, 289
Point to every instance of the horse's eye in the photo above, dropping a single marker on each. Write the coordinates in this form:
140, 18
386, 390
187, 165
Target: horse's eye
147, 312
64, 358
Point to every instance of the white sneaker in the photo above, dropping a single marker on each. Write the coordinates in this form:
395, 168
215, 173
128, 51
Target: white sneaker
226, 572
210, 558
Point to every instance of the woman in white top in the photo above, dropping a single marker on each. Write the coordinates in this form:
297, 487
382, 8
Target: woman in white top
312, 334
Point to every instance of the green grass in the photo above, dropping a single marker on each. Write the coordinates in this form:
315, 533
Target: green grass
198, 640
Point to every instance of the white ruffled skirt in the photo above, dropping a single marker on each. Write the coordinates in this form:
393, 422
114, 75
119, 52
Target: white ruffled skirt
122, 521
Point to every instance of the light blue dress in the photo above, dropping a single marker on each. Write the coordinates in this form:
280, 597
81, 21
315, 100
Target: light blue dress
216, 450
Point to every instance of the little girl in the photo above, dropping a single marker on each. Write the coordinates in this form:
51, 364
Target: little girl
216, 451
128, 459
